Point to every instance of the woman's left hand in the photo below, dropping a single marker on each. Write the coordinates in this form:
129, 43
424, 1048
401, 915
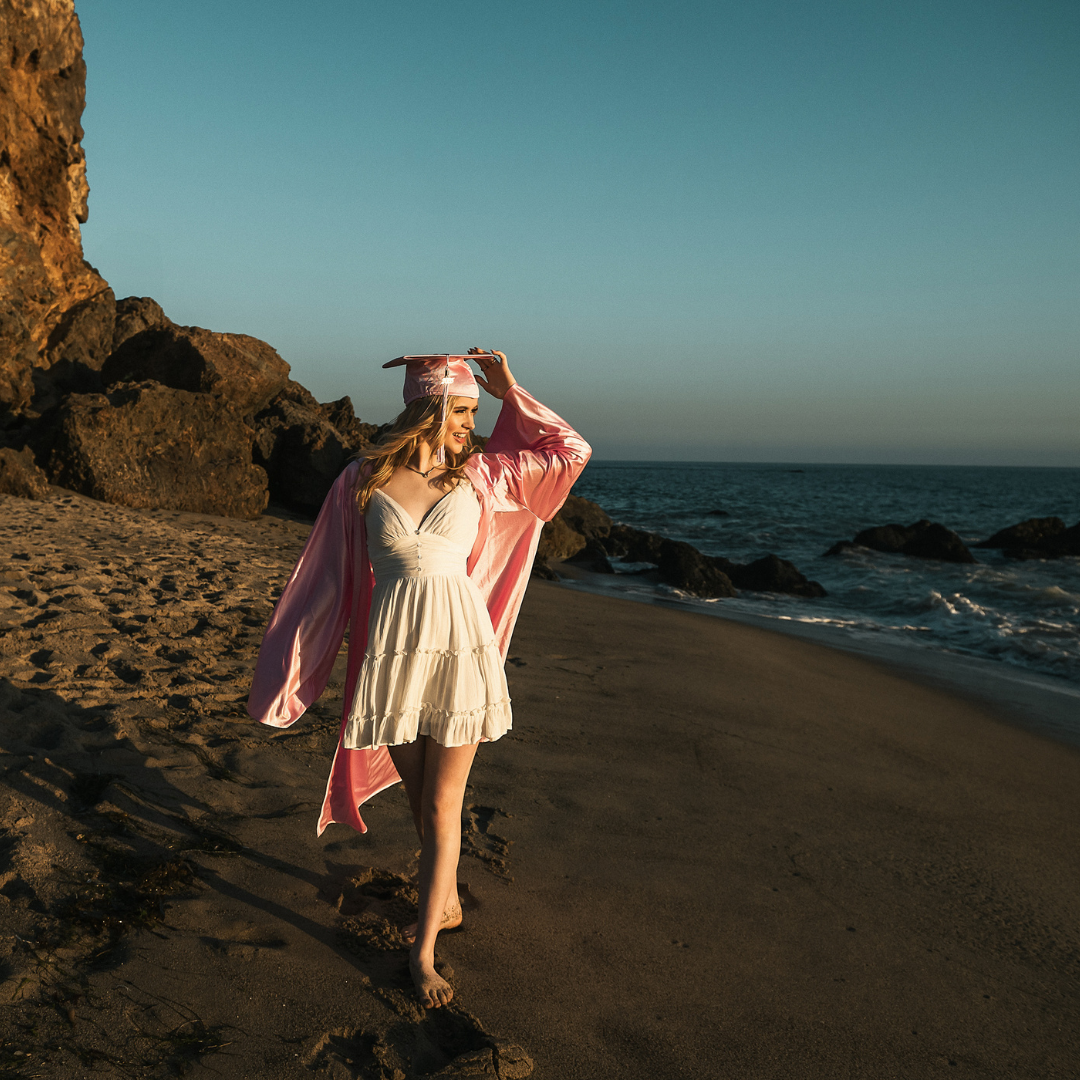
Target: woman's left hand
496, 378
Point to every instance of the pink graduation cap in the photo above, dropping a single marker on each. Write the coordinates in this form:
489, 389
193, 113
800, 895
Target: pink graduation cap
438, 374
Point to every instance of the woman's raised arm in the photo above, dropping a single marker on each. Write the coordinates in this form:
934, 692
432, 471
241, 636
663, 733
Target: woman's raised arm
533, 456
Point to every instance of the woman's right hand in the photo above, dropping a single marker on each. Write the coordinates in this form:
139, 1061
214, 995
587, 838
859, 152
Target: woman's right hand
496, 378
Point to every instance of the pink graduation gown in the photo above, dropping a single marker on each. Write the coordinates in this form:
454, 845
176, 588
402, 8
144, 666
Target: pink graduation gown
529, 465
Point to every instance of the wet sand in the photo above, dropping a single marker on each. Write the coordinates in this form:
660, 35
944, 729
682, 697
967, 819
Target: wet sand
706, 850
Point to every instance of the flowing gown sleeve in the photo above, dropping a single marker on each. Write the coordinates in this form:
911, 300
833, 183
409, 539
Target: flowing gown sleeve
328, 590
527, 469
532, 458
306, 630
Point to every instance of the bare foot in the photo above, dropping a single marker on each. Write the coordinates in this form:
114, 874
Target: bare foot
431, 988
451, 920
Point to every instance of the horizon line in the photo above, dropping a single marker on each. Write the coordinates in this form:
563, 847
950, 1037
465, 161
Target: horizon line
817, 464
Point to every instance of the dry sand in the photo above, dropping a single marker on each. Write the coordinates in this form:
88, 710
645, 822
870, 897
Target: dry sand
706, 850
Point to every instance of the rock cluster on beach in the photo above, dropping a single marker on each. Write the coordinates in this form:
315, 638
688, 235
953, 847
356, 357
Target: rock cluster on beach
303, 446
1036, 538
183, 418
923, 540
583, 533
19, 475
110, 398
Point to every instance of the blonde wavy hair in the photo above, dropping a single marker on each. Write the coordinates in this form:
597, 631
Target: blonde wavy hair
419, 420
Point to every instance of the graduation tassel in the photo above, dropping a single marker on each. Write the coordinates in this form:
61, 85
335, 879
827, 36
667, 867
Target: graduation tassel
440, 453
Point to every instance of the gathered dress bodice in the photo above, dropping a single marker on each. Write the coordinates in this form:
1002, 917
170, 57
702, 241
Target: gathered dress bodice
439, 544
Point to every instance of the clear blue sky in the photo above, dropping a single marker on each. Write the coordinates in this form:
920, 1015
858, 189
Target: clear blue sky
778, 230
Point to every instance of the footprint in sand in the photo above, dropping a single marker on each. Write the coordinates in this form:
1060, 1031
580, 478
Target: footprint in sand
447, 1041
480, 841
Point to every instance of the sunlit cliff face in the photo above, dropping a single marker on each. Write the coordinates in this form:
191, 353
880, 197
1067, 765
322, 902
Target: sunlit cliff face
43, 189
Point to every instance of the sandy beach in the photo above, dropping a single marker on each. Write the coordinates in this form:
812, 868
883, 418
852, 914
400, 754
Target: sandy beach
706, 850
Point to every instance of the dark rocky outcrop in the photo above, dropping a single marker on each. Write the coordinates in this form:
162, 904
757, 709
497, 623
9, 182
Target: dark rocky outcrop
770, 573
1036, 538
303, 446
84, 334
922, 540
355, 432
589, 519
54, 306
20, 476
243, 369
593, 556
229, 376
634, 545
148, 445
767, 574
568, 534
682, 566
71, 354
584, 534
558, 540
134, 314
574, 533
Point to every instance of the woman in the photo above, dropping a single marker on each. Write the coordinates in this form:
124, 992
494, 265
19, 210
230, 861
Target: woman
423, 552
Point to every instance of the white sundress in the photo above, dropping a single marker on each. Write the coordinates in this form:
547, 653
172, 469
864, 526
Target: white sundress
432, 666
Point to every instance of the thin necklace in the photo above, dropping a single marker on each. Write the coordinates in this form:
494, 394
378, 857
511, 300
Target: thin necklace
422, 473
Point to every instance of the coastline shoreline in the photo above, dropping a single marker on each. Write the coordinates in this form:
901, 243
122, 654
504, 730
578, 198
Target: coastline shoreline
1013, 604
1036, 702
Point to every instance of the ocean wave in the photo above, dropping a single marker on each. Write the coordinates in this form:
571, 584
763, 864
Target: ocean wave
956, 604
1053, 594
852, 624
1024, 613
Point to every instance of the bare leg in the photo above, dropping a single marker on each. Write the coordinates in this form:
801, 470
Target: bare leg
409, 761
446, 771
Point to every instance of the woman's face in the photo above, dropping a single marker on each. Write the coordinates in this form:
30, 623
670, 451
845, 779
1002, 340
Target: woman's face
459, 423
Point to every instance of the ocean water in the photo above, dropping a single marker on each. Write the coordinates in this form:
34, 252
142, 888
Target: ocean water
1024, 614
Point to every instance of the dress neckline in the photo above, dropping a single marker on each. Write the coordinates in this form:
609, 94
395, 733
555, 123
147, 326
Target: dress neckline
405, 513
